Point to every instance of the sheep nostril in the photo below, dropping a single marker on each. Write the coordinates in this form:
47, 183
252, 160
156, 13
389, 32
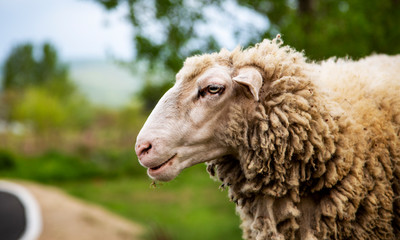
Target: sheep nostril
142, 149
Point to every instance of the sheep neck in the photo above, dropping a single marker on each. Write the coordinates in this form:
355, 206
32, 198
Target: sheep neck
287, 142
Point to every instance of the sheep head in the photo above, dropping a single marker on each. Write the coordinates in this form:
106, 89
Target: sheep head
256, 107
181, 130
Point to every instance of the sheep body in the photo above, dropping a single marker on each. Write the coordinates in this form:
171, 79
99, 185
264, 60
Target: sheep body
319, 157
307, 150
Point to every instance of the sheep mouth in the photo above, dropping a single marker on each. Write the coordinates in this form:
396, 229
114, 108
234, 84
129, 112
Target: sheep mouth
163, 164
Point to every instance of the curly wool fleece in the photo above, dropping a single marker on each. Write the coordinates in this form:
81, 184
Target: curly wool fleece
319, 158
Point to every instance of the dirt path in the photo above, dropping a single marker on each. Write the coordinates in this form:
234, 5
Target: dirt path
68, 218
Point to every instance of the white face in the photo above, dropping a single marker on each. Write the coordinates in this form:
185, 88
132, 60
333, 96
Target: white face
180, 131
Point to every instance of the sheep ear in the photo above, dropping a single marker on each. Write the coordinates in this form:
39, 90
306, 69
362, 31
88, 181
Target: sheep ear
250, 78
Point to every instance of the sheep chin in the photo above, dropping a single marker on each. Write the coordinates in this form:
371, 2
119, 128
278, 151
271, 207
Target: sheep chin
171, 168
164, 176
166, 171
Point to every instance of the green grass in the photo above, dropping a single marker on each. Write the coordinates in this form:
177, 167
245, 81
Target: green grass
190, 207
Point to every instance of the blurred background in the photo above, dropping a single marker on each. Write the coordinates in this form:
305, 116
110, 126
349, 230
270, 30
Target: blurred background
79, 77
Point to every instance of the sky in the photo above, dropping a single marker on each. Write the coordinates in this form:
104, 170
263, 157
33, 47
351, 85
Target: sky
79, 29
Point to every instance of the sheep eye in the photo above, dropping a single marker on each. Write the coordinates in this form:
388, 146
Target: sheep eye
214, 89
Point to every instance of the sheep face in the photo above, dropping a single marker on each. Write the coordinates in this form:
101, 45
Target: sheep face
182, 129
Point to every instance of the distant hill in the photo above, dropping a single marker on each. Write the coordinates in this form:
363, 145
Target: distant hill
1, 77
104, 82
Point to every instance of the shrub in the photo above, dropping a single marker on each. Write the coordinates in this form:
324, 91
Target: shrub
53, 166
46, 111
41, 109
7, 160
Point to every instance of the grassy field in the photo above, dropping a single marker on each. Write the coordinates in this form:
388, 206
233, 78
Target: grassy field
190, 207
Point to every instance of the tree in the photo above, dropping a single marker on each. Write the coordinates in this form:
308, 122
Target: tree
322, 28
344, 28
175, 21
25, 72
167, 31
49, 67
19, 67
22, 69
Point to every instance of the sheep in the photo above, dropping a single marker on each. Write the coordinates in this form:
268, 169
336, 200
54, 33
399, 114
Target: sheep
307, 150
